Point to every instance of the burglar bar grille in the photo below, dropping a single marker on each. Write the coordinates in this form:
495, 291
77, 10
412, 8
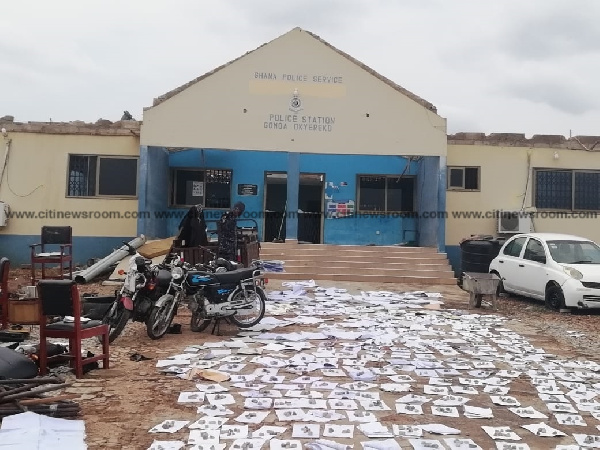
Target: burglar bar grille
82, 176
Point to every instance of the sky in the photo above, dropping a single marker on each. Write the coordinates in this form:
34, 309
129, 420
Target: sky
491, 66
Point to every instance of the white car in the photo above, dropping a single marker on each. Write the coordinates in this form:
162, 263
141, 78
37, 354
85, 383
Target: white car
561, 269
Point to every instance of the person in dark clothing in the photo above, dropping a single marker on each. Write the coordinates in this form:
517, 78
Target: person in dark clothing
192, 229
227, 230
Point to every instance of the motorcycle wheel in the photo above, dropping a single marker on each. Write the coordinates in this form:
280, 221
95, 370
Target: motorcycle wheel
199, 323
116, 321
246, 320
158, 322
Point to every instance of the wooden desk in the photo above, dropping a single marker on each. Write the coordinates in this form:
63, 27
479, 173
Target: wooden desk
24, 312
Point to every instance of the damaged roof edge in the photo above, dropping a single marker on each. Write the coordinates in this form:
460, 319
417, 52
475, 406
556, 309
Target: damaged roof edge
589, 143
100, 127
429, 106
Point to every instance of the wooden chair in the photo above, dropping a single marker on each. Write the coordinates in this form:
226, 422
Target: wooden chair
61, 298
53, 238
4, 267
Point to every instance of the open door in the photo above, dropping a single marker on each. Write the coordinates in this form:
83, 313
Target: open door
310, 208
275, 206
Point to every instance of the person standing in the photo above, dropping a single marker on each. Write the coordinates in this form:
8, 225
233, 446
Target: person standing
227, 231
192, 229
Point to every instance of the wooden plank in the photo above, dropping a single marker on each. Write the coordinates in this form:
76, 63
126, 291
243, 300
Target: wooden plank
152, 249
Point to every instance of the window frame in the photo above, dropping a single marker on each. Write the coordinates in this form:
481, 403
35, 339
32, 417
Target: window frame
537, 170
511, 243
462, 188
99, 157
525, 252
386, 176
173, 186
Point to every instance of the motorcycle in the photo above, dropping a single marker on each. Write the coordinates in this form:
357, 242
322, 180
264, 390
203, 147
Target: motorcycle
144, 283
234, 295
212, 293
165, 308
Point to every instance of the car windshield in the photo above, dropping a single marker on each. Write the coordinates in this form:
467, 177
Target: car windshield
574, 252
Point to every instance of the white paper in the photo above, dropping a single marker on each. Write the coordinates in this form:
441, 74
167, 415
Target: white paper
166, 445
530, 412
191, 397
252, 417
208, 423
268, 432
375, 430
285, 444
438, 428
386, 444
504, 433
542, 429
461, 444
425, 444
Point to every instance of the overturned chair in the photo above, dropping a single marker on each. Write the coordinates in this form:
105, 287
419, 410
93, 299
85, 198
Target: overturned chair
61, 298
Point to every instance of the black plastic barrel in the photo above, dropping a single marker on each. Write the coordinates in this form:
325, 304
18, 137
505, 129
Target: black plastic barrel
476, 254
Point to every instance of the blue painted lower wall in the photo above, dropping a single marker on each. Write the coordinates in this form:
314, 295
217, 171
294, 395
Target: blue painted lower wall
340, 177
453, 252
16, 247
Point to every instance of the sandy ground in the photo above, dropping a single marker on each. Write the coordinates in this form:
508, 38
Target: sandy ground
122, 403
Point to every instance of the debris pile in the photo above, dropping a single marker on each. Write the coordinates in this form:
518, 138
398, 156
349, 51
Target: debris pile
17, 396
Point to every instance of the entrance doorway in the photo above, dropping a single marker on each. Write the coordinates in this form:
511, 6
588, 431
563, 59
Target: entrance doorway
275, 206
310, 208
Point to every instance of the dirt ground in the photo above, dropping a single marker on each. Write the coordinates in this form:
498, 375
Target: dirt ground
122, 403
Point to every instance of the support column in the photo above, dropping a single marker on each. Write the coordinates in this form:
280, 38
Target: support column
293, 185
428, 193
153, 191
441, 239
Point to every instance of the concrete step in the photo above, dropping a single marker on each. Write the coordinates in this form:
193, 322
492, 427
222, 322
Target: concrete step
419, 280
332, 255
388, 263
316, 248
381, 264
369, 270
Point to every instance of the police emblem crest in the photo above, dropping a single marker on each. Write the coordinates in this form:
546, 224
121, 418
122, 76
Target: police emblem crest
295, 102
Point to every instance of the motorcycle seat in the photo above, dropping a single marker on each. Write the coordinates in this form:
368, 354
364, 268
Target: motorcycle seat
234, 276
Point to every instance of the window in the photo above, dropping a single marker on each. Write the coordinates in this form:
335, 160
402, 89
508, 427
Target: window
463, 178
567, 189
534, 251
513, 248
209, 188
102, 176
574, 252
385, 193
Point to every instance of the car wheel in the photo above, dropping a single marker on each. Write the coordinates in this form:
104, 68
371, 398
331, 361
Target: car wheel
555, 299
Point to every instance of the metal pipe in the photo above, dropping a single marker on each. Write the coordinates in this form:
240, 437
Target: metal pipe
104, 264
6, 151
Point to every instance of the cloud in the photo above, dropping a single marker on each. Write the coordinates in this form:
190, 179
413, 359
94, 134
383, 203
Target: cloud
332, 15
508, 65
554, 32
569, 98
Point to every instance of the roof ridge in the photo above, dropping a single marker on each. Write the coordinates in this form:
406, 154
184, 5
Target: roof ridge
158, 100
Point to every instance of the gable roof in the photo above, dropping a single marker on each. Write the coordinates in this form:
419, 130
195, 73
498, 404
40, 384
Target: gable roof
397, 87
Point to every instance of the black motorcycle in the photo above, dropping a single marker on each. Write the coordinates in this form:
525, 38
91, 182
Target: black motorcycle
143, 285
236, 295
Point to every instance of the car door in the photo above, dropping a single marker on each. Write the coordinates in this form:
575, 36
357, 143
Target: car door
508, 262
531, 273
